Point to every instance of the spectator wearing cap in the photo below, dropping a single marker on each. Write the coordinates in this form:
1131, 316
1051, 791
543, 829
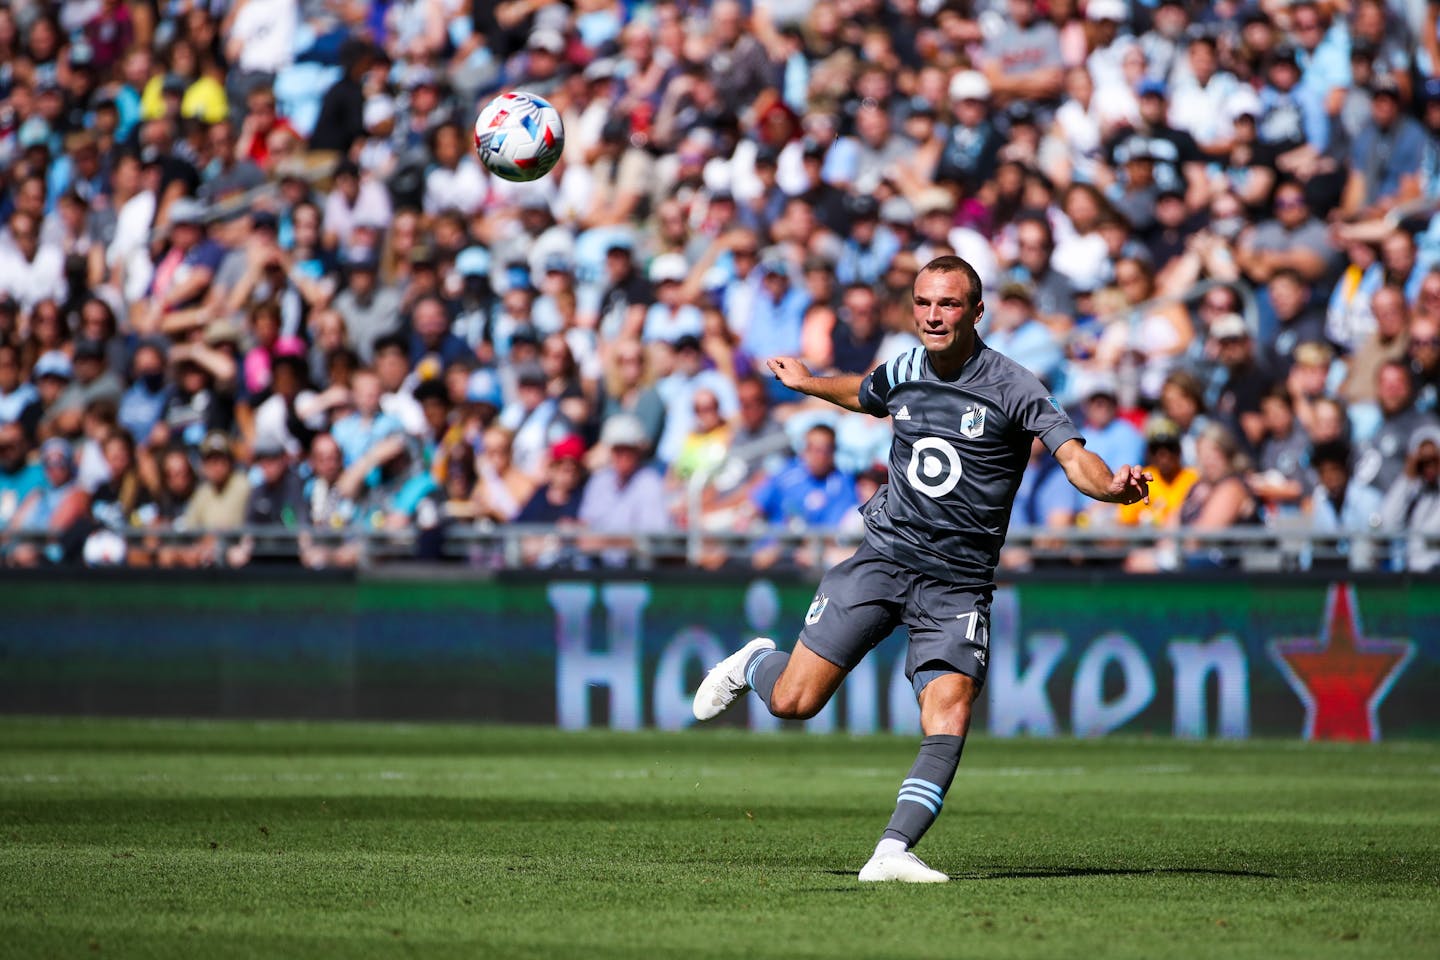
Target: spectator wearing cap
777, 314
51, 376
1385, 159
142, 405
30, 271
219, 501
621, 497
1242, 379
1383, 453
1104, 20
53, 507
1021, 59
1106, 433
1291, 116
628, 293
184, 272
1177, 161
868, 247
533, 417
669, 318
277, 500
556, 503
353, 200
1170, 481
973, 144
1411, 508
93, 381
1014, 330
677, 391
369, 308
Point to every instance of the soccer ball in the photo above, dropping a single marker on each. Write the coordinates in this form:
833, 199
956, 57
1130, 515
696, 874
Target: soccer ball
519, 136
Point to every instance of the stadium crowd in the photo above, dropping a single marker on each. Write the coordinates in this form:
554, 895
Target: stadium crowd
251, 273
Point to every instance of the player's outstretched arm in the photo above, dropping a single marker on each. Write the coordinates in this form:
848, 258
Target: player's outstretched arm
842, 390
1089, 474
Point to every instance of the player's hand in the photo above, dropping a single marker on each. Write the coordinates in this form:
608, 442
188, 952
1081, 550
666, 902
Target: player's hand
1130, 485
789, 371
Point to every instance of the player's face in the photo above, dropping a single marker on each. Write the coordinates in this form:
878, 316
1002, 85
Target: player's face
945, 315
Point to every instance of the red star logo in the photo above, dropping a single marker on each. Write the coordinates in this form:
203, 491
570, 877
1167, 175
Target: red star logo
1342, 677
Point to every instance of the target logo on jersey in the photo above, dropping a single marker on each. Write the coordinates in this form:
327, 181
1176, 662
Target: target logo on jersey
519, 136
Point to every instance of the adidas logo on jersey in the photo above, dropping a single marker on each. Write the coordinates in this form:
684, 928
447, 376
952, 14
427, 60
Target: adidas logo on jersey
904, 413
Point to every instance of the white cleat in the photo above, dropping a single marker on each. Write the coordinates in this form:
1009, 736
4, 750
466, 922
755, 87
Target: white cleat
725, 682
899, 867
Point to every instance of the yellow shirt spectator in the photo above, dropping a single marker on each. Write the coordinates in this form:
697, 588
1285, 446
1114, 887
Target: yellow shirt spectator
1165, 498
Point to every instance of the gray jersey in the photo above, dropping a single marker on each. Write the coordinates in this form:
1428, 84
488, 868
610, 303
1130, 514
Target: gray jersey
959, 451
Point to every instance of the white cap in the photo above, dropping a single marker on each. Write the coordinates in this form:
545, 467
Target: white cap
1107, 10
624, 430
969, 85
1243, 103
1229, 325
669, 266
378, 110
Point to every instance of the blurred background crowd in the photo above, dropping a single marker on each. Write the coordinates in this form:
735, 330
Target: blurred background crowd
252, 275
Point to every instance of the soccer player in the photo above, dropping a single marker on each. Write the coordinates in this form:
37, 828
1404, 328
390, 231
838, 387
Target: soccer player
964, 419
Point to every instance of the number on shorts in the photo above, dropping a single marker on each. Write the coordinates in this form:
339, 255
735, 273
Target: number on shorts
973, 616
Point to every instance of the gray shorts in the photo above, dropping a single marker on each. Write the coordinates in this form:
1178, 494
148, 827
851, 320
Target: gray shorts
863, 599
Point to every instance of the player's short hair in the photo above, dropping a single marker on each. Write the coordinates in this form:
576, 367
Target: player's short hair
952, 264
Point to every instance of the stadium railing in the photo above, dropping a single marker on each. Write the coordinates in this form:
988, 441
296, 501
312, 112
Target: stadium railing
543, 547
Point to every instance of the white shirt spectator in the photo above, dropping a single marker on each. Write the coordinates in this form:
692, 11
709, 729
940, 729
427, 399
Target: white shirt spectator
264, 32
463, 188
372, 208
30, 281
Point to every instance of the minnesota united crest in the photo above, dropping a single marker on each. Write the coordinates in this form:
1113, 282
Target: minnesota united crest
817, 607
972, 424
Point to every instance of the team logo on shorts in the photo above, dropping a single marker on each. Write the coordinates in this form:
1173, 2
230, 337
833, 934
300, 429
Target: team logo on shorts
972, 425
817, 607
934, 467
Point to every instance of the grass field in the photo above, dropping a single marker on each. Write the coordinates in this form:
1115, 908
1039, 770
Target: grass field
161, 839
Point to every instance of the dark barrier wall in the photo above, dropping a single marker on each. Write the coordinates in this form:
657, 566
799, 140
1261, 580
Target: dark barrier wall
1192, 658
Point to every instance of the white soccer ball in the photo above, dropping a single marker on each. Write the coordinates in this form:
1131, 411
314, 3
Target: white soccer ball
519, 136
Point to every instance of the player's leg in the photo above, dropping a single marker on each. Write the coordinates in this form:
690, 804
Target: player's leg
949, 640
858, 605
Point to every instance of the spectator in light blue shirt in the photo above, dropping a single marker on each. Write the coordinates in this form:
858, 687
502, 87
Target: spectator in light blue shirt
143, 402
776, 315
869, 248
1013, 330
1112, 439
367, 425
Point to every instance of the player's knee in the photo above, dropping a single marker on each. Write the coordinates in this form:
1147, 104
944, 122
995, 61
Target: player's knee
795, 704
